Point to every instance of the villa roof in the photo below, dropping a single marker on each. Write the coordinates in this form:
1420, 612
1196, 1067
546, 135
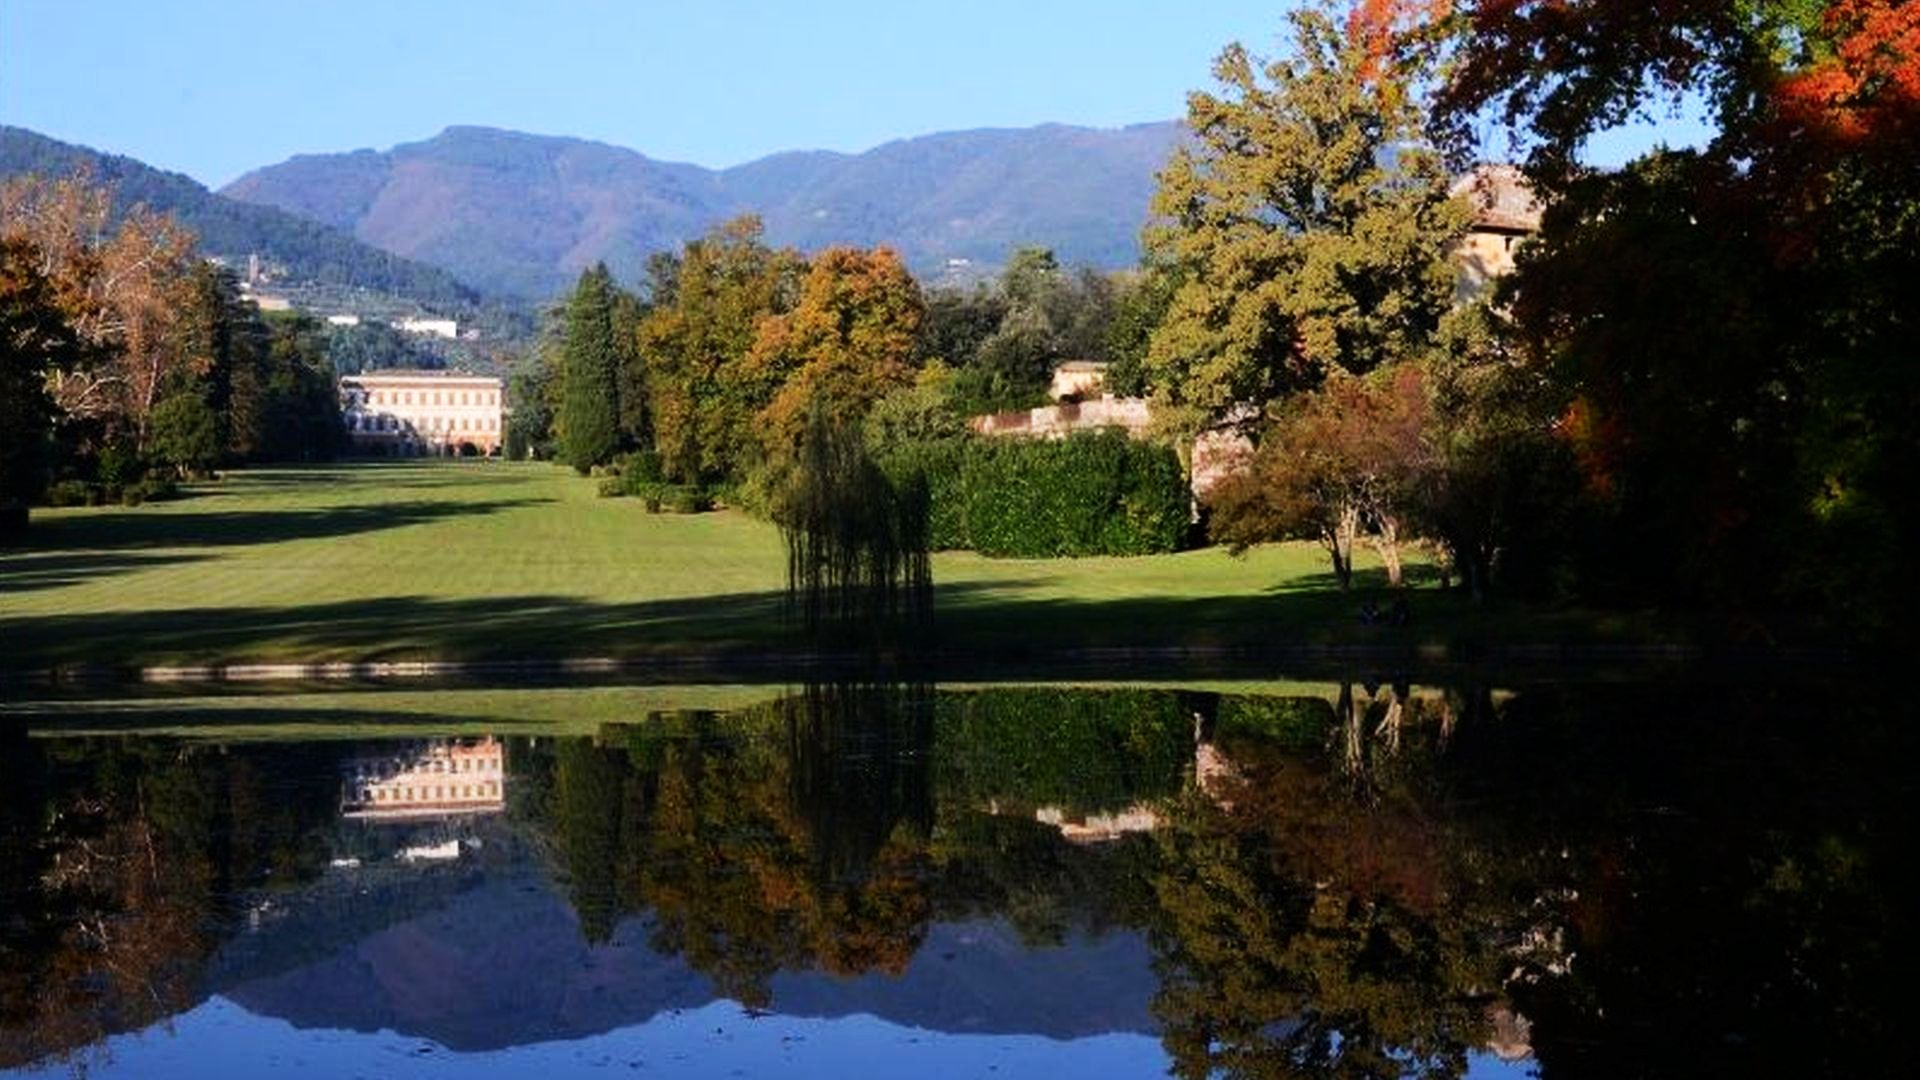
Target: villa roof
420, 375
1502, 199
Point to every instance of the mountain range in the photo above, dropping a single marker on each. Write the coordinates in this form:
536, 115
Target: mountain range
476, 213
520, 215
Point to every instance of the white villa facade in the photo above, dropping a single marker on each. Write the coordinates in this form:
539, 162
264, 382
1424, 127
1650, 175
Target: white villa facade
423, 413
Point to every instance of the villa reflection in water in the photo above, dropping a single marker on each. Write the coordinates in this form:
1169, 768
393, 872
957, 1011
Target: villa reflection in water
427, 778
1350, 879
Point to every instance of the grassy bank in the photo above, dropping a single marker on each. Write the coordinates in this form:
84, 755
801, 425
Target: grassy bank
465, 559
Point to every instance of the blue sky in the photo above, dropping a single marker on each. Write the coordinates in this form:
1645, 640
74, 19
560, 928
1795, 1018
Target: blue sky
214, 89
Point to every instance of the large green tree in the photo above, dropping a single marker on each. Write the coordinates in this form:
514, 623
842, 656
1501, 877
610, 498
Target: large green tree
35, 340
695, 338
590, 408
1308, 223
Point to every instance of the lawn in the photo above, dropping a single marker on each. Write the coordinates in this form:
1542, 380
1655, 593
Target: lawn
302, 714
468, 559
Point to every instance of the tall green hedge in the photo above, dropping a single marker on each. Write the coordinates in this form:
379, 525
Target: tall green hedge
1094, 493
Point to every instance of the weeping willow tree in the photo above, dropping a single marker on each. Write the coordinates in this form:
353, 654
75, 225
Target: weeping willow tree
858, 571
860, 774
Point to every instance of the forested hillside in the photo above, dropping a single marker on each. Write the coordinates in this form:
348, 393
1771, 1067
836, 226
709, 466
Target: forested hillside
306, 251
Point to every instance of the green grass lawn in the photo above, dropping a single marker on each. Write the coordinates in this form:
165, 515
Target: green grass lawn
303, 714
464, 559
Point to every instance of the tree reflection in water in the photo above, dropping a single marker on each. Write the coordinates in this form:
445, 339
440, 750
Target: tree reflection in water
1370, 880
120, 861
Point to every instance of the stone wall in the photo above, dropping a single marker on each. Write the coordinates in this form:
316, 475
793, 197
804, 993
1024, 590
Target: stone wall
1216, 454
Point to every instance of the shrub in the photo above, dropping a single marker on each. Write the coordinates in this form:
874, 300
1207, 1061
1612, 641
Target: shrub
158, 489
942, 465
73, 493
640, 466
658, 496
120, 465
1096, 493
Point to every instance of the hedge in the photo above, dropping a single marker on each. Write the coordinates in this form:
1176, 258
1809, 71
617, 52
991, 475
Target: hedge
1093, 493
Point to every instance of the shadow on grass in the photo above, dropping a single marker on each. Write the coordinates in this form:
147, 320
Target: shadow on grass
1369, 581
386, 475
287, 722
39, 570
211, 527
1315, 613
977, 618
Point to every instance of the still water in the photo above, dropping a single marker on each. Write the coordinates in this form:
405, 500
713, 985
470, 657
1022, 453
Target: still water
1367, 880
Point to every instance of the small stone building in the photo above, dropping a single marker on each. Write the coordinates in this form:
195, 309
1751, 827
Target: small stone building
1505, 212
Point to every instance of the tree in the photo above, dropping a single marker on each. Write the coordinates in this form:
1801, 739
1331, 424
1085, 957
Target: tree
1047, 315
35, 341
1343, 461
123, 286
845, 345
695, 338
301, 399
530, 421
956, 323
186, 433
636, 408
1308, 224
857, 557
1726, 332
1139, 307
590, 409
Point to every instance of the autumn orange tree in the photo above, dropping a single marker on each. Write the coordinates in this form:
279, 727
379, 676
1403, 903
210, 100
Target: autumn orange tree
122, 286
847, 343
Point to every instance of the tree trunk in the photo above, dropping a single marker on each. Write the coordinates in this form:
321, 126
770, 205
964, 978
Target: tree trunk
1386, 541
1346, 528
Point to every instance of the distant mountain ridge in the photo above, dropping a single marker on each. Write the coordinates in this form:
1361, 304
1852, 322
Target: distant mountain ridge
308, 250
520, 215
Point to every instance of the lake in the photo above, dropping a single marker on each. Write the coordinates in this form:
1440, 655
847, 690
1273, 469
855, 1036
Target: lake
1553, 878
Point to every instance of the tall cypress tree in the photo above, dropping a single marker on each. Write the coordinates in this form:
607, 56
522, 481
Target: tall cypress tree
590, 411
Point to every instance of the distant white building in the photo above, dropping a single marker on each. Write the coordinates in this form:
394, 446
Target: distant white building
446, 328
343, 320
414, 413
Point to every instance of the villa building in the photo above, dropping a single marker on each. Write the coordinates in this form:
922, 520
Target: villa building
414, 413
427, 778
1505, 212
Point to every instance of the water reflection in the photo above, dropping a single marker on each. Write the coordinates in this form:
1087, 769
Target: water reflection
1361, 879
425, 778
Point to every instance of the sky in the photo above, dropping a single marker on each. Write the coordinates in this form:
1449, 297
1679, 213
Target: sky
215, 89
